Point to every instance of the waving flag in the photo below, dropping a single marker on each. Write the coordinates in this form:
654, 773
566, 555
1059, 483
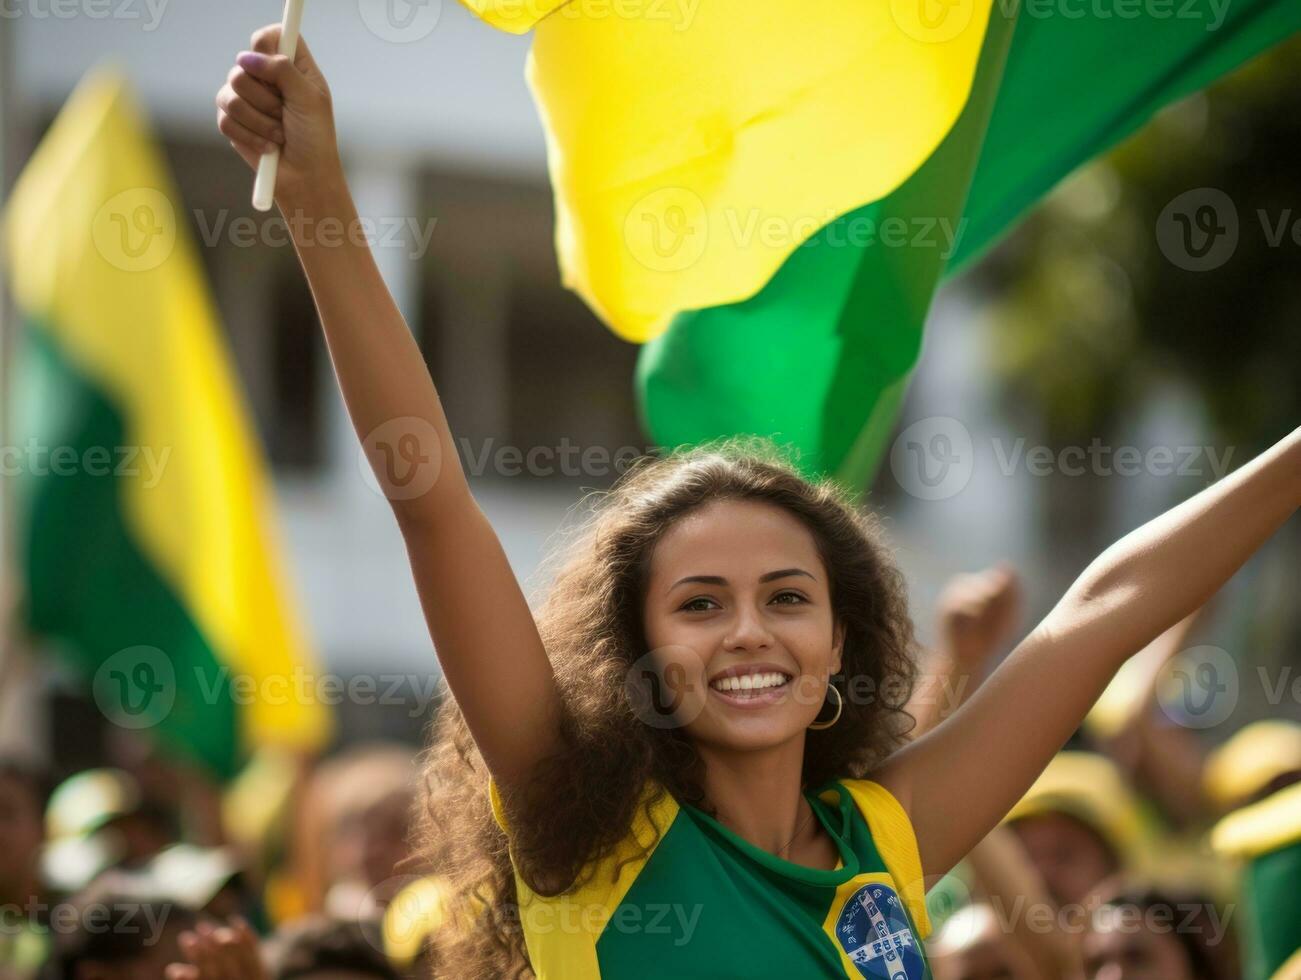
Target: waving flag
146, 535
768, 194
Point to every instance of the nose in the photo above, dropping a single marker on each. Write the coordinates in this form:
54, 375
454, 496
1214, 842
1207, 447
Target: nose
747, 631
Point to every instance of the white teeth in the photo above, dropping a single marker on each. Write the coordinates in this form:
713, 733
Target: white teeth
750, 682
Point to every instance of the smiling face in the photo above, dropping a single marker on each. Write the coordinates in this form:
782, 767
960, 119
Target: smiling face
739, 623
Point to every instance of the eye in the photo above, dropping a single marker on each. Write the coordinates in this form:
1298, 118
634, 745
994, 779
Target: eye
686, 606
794, 595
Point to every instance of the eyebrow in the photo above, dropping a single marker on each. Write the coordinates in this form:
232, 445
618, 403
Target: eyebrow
719, 580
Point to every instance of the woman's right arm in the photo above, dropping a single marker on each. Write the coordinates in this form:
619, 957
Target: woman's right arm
482, 628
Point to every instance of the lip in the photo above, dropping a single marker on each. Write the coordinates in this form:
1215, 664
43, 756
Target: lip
736, 699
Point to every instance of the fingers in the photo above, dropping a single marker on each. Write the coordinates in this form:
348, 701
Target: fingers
259, 95
277, 71
250, 960
217, 953
237, 132
251, 118
266, 40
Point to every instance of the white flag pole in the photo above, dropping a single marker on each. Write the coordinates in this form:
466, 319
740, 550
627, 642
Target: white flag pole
264, 187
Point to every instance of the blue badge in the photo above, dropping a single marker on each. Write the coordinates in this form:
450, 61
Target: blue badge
874, 932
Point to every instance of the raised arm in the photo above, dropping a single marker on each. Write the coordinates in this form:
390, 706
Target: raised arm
959, 780
976, 615
479, 620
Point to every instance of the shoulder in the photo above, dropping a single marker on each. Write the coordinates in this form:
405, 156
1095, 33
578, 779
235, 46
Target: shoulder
892, 833
656, 810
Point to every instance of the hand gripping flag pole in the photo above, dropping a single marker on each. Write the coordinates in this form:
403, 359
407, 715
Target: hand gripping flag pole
264, 187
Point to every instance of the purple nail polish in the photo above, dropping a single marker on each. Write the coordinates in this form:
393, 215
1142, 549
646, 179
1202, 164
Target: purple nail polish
251, 60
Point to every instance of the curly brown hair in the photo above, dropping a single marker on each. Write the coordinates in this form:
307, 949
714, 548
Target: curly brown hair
581, 802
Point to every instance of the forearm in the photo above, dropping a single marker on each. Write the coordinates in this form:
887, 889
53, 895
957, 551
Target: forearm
379, 366
1011, 882
1166, 569
1026, 710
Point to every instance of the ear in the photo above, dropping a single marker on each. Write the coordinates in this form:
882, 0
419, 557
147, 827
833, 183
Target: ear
837, 646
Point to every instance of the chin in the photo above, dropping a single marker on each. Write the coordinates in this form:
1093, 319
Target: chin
746, 734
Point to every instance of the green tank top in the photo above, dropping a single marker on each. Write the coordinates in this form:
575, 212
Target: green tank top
704, 904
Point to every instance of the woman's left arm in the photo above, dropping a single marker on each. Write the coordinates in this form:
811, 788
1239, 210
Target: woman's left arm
959, 780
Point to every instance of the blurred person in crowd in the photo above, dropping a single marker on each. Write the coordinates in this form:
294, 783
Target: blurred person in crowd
315, 948
23, 903
1141, 933
1263, 838
1079, 823
977, 614
1006, 881
326, 949
1255, 762
363, 800
23, 794
974, 945
113, 931
411, 922
1161, 758
110, 805
207, 880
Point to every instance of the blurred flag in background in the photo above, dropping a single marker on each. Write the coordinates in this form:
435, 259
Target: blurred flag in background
146, 537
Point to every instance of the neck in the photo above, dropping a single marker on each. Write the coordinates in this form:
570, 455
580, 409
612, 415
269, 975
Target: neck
758, 794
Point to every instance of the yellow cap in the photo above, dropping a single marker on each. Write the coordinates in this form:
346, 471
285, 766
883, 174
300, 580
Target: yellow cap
1262, 828
1246, 763
1092, 789
416, 913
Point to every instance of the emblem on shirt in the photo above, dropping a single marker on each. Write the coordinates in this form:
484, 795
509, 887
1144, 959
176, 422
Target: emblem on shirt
873, 930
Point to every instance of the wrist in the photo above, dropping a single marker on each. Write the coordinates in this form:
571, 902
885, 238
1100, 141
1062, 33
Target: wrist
325, 196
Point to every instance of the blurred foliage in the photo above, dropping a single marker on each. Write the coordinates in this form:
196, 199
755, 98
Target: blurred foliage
1089, 313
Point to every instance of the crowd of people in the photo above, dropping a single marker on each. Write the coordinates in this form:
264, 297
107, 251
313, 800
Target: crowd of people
1144, 851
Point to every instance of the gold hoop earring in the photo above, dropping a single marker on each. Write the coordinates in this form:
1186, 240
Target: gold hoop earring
818, 726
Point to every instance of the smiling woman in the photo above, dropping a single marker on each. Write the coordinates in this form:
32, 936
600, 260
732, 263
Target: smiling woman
699, 628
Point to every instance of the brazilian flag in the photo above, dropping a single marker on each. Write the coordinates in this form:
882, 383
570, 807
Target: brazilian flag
146, 540
766, 195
